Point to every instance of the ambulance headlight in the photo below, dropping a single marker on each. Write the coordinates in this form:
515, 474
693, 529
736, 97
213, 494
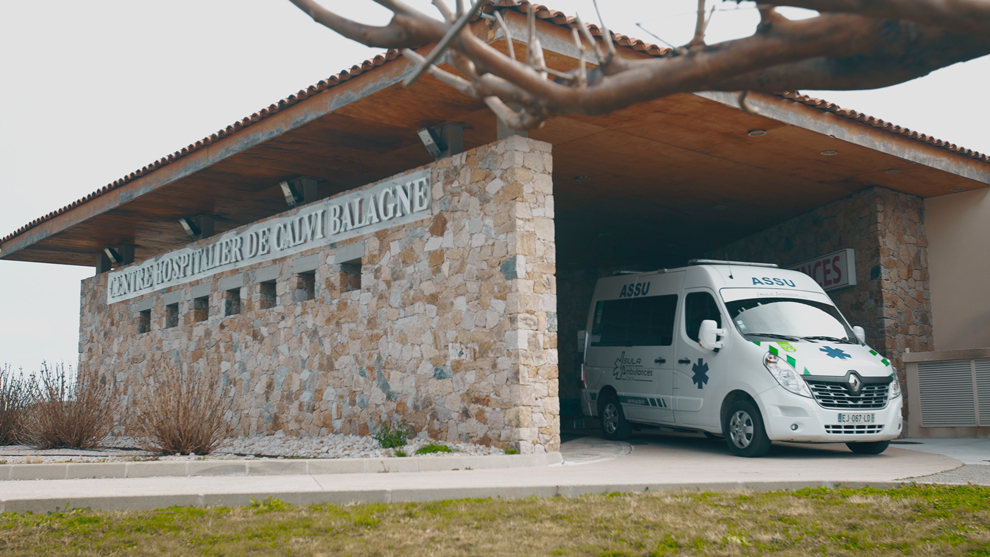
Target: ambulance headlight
786, 375
895, 385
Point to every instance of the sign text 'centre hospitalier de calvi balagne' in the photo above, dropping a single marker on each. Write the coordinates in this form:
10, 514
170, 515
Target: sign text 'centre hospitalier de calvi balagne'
391, 203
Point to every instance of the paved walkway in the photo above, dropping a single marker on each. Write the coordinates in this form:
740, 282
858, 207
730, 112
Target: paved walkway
648, 462
974, 454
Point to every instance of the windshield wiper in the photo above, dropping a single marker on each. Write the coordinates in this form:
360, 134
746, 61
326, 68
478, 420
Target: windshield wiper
775, 335
830, 339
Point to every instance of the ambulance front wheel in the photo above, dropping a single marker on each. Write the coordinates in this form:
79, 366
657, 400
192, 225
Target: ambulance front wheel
744, 431
614, 424
868, 447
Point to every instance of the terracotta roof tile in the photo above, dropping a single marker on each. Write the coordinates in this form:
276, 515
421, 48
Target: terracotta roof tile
542, 12
826, 106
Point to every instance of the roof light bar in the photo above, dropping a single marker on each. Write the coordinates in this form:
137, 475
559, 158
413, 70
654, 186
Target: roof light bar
735, 263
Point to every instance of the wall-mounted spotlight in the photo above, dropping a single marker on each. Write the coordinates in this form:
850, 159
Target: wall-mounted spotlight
189, 226
114, 257
434, 146
291, 195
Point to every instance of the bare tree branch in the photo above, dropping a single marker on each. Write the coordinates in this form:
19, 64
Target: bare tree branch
780, 42
508, 34
582, 74
962, 16
592, 43
852, 44
609, 44
445, 42
445, 11
403, 31
458, 83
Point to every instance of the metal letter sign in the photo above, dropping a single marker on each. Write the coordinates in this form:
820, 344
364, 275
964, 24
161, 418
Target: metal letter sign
832, 271
387, 204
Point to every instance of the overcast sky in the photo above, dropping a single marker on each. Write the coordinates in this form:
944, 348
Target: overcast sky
94, 90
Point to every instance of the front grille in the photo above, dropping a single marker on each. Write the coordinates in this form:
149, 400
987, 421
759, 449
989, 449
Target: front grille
850, 429
836, 395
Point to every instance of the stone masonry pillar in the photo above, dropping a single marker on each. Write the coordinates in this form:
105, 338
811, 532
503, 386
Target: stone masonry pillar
531, 303
500, 199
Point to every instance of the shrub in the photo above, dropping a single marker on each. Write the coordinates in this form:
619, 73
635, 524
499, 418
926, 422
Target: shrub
392, 435
13, 403
182, 412
510, 450
433, 448
67, 412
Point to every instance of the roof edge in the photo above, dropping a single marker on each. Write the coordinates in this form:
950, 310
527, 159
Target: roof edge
542, 12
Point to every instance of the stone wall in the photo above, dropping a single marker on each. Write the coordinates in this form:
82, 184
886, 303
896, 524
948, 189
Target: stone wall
886, 228
453, 327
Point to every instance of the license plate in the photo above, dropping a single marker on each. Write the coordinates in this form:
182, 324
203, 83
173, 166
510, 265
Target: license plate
857, 418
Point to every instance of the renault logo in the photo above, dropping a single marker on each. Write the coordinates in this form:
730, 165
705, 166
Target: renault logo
855, 383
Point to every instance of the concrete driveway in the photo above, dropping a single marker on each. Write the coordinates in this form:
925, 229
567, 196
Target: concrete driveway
650, 461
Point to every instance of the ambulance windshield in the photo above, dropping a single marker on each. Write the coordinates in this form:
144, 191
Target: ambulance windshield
789, 319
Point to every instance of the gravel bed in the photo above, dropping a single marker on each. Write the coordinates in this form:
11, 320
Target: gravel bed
279, 445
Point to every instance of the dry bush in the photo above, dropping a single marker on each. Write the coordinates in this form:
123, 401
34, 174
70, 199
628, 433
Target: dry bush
13, 403
68, 413
183, 412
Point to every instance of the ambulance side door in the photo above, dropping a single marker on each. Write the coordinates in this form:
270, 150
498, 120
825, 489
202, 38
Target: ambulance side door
699, 374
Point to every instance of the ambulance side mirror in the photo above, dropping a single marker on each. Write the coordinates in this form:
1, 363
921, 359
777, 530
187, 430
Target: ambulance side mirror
860, 334
708, 335
581, 335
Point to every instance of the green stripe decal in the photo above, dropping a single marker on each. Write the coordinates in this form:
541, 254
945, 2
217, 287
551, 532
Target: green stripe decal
791, 361
773, 350
874, 352
885, 362
756, 342
806, 372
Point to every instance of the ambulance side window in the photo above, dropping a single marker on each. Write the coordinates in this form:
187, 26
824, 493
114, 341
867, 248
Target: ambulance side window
699, 306
635, 322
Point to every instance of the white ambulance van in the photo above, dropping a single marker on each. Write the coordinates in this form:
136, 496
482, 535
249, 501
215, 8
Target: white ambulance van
744, 350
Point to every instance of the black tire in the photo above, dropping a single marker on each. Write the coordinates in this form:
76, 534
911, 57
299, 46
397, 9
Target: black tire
614, 424
744, 431
868, 447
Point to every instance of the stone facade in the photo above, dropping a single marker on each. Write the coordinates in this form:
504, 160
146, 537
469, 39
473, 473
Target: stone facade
886, 228
449, 322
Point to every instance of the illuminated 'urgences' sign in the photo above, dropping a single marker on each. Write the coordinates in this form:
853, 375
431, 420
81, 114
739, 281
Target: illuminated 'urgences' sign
388, 204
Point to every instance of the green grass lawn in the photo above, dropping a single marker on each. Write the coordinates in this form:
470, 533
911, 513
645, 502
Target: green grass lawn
914, 520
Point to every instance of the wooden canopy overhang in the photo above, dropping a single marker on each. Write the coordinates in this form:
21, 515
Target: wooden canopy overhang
658, 168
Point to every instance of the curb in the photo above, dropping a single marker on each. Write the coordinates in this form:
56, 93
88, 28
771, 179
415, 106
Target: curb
290, 467
410, 495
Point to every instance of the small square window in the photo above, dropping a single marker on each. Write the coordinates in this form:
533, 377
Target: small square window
305, 287
201, 309
267, 298
232, 302
172, 315
144, 321
350, 275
